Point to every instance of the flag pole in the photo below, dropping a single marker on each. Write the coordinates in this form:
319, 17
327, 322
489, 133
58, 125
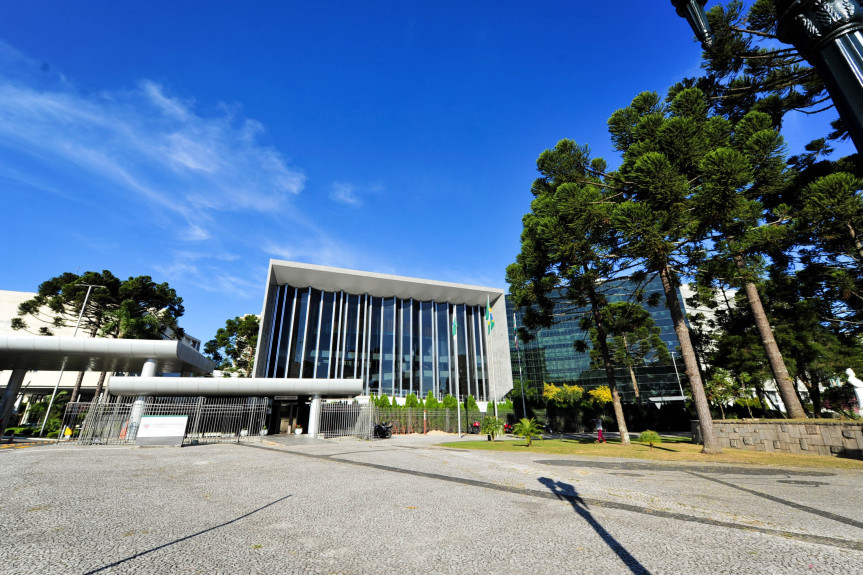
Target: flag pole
518, 353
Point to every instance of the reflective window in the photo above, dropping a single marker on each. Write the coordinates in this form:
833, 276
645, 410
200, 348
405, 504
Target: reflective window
325, 344
279, 310
444, 336
352, 314
426, 347
313, 324
388, 346
295, 355
405, 348
374, 365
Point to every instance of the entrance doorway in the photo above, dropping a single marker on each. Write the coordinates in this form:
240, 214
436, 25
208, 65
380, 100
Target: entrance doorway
290, 413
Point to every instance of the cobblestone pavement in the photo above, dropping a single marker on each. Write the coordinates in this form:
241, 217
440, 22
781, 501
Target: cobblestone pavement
405, 506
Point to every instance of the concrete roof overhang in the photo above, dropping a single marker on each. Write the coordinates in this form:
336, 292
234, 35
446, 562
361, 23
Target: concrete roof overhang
382, 285
234, 386
46, 353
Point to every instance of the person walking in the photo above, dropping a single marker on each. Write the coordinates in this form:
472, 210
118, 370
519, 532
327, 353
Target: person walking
598, 426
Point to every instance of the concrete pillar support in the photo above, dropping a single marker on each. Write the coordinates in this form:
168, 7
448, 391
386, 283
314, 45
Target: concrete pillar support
135, 415
149, 369
315, 416
137, 411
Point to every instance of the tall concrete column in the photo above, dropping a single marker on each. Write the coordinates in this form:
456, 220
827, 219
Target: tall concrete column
315, 416
137, 412
9, 397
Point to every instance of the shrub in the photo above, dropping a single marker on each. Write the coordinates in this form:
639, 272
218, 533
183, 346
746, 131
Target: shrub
650, 437
411, 401
492, 426
431, 401
528, 429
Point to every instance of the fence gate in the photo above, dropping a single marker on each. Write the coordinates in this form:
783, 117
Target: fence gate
347, 420
211, 420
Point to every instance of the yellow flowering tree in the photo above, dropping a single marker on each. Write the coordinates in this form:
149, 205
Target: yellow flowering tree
600, 395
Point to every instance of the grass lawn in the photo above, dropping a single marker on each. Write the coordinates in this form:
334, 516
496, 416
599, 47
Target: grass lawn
672, 449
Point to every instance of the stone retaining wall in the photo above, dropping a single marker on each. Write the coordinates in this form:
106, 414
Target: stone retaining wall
815, 437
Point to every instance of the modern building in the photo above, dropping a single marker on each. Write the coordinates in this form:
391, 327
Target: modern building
393, 332
550, 356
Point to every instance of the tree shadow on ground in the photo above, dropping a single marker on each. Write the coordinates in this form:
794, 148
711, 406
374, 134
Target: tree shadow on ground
181, 539
567, 492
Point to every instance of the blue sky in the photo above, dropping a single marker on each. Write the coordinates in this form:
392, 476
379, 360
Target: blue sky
192, 141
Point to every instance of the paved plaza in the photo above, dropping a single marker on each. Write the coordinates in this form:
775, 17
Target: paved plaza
295, 505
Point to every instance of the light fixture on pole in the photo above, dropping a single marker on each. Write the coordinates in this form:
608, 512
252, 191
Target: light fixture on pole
56, 385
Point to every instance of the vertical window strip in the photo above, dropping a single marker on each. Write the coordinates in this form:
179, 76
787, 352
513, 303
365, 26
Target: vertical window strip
467, 354
305, 332
411, 344
434, 346
318, 335
273, 363
398, 351
483, 347
449, 347
357, 337
337, 366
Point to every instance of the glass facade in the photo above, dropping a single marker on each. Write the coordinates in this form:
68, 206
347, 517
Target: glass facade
551, 358
396, 346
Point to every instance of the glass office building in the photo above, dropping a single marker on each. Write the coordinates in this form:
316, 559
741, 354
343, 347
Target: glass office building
399, 335
551, 358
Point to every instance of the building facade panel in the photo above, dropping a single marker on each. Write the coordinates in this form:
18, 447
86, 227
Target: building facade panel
396, 343
550, 357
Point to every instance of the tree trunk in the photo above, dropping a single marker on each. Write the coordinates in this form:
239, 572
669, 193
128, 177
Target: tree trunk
601, 337
631, 371
99, 386
774, 357
634, 381
853, 233
811, 384
702, 408
77, 389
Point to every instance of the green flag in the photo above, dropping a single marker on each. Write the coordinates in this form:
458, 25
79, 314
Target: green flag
489, 318
454, 322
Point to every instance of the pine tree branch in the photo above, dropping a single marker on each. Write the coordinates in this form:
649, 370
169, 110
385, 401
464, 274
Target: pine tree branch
753, 32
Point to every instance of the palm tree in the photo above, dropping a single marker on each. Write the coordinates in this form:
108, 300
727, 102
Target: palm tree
492, 426
528, 429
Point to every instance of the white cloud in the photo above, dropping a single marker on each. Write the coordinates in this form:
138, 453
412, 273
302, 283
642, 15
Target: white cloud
351, 194
345, 194
142, 144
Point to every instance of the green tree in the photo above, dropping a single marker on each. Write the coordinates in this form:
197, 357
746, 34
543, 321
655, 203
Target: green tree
431, 401
721, 389
411, 401
235, 345
633, 338
661, 147
528, 429
568, 245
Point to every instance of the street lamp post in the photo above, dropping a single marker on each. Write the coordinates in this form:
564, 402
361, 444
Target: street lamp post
828, 33
56, 385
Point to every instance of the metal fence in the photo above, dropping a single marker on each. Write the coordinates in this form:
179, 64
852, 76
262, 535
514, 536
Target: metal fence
211, 420
358, 420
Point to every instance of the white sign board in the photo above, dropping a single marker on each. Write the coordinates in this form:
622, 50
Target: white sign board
162, 430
